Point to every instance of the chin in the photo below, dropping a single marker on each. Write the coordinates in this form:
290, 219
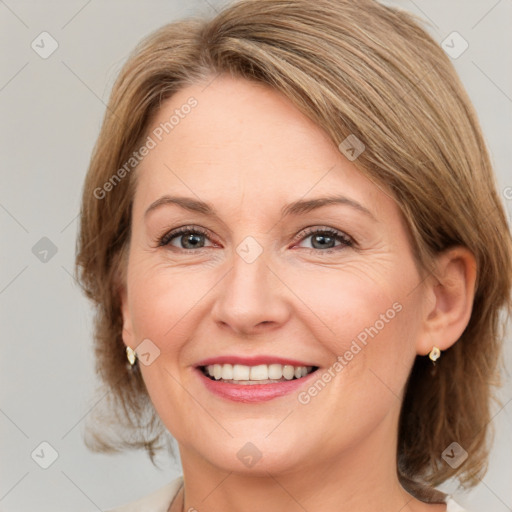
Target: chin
256, 457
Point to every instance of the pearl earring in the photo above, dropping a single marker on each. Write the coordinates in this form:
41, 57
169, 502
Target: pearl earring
435, 354
131, 355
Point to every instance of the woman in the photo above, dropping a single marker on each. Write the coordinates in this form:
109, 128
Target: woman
290, 225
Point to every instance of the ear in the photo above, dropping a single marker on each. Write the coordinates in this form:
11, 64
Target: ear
448, 300
120, 279
128, 337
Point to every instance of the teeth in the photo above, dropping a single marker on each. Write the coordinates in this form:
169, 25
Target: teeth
241, 372
288, 372
262, 372
275, 371
258, 372
227, 371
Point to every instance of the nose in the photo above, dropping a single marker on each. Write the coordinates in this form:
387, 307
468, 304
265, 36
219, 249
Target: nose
252, 298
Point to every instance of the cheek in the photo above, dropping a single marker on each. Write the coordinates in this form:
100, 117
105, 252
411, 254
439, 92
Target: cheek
163, 301
369, 319
347, 303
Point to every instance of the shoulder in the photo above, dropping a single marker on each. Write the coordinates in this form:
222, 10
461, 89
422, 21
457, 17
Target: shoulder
157, 501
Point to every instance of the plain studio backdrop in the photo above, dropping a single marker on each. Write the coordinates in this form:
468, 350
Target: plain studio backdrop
52, 101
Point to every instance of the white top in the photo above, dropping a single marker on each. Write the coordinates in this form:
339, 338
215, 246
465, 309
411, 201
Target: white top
160, 500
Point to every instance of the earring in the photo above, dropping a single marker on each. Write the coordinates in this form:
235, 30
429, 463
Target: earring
435, 354
131, 355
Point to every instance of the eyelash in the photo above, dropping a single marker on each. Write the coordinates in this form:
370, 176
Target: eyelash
345, 240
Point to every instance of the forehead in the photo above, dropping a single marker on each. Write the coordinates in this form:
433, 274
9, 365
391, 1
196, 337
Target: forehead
244, 142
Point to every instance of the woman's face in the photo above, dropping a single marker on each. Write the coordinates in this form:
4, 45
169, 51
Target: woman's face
257, 280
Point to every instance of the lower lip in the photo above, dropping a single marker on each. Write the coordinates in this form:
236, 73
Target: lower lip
252, 392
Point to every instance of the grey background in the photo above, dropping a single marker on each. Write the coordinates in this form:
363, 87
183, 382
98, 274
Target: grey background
51, 110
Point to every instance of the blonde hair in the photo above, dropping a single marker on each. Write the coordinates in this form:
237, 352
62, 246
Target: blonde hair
354, 68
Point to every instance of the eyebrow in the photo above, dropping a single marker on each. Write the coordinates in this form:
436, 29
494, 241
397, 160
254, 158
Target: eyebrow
299, 207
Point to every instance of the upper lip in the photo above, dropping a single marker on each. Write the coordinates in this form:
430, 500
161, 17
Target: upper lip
252, 361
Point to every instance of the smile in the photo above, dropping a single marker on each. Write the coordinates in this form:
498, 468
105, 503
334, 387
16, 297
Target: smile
250, 384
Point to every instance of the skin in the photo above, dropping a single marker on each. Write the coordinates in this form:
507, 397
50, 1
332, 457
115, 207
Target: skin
248, 151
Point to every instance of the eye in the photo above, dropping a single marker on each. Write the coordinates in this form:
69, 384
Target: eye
323, 239
189, 238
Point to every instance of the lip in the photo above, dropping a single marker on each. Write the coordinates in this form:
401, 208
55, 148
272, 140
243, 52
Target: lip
253, 361
251, 393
